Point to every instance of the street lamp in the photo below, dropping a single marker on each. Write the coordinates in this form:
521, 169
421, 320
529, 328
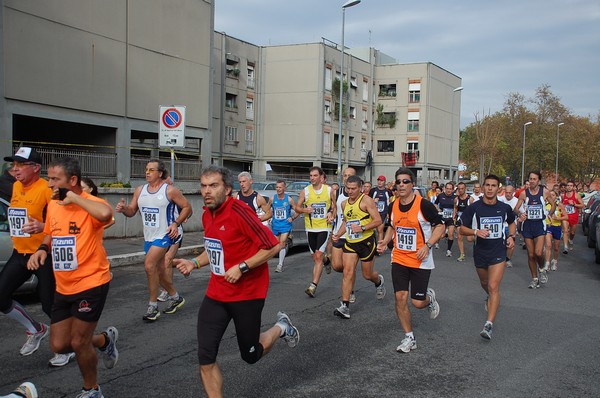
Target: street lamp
457, 89
523, 160
557, 135
348, 4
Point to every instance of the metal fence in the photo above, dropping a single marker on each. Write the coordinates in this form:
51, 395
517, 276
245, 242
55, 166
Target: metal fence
93, 164
184, 169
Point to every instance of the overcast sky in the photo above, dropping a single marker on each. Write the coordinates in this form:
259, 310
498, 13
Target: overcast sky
495, 46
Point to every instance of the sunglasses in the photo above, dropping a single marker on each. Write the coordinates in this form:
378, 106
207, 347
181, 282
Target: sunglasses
404, 181
23, 164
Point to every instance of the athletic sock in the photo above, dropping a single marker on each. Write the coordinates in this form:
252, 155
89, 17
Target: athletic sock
153, 303
410, 334
282, 253
174, 297
19, 314
450, 243
346, 303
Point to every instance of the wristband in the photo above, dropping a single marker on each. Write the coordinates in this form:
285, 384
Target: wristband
44, 247
195, 262
475, 232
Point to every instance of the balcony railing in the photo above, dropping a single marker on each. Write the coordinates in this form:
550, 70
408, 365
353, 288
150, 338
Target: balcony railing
184, 169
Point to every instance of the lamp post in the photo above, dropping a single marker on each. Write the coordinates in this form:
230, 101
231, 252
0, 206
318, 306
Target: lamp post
348, 4
457, 89
557, 135
523, 160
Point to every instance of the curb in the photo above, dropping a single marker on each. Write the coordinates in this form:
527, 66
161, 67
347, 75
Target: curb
122, 260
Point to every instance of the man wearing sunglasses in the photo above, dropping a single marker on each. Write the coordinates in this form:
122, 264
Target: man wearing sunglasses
26, 213
163, 208
415, 227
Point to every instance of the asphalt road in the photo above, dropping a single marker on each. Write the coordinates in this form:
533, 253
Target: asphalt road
545, 342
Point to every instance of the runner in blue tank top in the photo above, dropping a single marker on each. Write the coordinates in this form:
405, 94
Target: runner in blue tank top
281, 205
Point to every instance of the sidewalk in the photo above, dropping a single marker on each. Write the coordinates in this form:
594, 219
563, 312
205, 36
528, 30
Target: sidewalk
128, 251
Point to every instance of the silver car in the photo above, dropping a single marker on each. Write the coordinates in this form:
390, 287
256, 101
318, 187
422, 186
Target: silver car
6, 248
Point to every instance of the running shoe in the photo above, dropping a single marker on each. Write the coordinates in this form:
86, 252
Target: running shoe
352, 297
486, 333
290, 335
380, 290
543, 275
163, 296
553, 265
34, 340
342, 311
152, 314
407, 344
174, 305
509, 264
26, 390
534, 284
437, 246
571, 246
327, 265
448, 253
433, 307
524, 247
59, 360
311, 290
566, 250
461, 258
93, 393
279, 268
110, 354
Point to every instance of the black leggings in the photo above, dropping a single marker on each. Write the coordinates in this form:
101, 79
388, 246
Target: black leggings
15, 273
213, 318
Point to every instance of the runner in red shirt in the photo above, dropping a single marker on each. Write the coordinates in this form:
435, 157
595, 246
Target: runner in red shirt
238, 247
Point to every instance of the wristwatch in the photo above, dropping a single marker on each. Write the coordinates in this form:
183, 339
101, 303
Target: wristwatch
429, 245
244, 267
363, 228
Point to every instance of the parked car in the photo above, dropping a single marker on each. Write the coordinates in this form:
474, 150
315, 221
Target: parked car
593, 202
593, 221
597, 245
297, 186
6, 248
587, 196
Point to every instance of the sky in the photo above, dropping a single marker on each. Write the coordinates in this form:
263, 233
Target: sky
497, 47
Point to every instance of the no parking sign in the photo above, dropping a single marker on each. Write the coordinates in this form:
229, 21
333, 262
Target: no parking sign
172, 126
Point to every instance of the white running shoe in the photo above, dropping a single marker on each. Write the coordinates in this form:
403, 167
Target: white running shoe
26, 390
34, 340
279, 268
352, 298
110, 355
342, 311
509, 264
163, 296
543, 275
380, 290
534, 284
553, 265
434, 307
448, 253
291, 335
59, 360
486, 333
407, 344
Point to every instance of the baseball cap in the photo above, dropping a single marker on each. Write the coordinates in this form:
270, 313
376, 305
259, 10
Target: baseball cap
381, 178
25, 154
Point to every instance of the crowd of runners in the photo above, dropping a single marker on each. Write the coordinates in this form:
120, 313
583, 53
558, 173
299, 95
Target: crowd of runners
57, 229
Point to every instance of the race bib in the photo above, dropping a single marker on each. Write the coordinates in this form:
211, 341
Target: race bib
280, 213
406, 239
493, 225
150, 216
535, 212
570, 209
64, 253
353, 235
381, 206
319, 210
214, 249
17, 217
447, 212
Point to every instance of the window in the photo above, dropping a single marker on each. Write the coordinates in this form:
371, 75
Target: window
387, 90
385, 146
249, 141
414, 92
232, 68
328, 80
249, 109
326, 143
353, 83
352, 112
351, 142
413, 121
335, 143
231, 101
327, 112
365, 91
365, 119
412, 146
231, 133
250, 82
